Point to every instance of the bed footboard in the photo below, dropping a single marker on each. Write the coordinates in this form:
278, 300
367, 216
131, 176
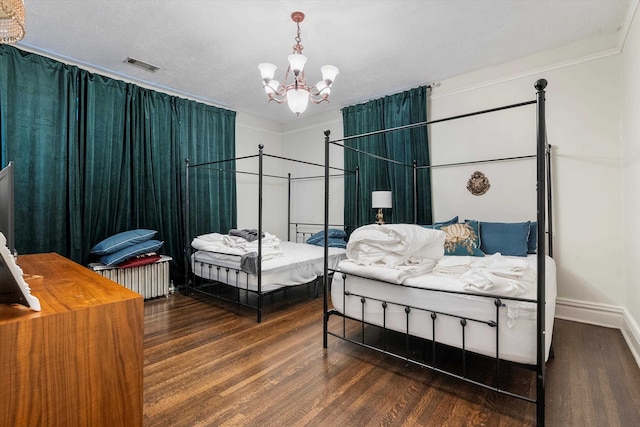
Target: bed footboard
467, 346
235, 285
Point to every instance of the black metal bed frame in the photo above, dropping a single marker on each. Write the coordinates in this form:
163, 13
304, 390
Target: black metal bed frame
544, 232
213, 287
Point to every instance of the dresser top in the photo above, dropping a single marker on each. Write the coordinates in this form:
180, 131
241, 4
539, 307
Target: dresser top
65, 286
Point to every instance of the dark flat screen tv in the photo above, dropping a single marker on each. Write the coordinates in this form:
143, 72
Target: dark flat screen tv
7, 212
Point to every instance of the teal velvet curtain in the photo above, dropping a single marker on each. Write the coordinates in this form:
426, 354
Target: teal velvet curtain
403, 146
96, 156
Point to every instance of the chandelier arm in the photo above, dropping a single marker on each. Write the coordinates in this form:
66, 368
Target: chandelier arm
317, 100
299, 85
324, 93
279, 99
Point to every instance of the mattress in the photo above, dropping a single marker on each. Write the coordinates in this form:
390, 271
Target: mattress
516, 318
299, 263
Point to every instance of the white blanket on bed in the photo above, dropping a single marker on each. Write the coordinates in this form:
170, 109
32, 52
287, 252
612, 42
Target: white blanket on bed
395, 244
394, 273
495, 274
234, 245
454, 265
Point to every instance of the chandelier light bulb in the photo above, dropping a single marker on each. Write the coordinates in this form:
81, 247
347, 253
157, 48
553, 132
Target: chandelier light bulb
298, 99
271, 87
323, 89
329, 73
267, 71
296, 62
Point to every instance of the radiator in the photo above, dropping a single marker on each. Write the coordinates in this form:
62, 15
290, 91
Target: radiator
150, 281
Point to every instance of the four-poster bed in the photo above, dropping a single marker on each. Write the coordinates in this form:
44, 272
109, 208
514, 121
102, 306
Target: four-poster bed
438, 310
245, 270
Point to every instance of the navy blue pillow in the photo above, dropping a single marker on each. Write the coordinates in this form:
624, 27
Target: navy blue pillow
122, 240
508, 238
336, 243
319, 236
532, 243
131, 251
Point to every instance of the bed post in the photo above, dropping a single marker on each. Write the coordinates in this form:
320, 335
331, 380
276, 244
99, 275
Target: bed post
186, 227
325, 276
549, 205
540, 86
415, 191
357, 224
289, 209
260, 147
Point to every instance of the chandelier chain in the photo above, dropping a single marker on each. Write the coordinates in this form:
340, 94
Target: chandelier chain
297, 48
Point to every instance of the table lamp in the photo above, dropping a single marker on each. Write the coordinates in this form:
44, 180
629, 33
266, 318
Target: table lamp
380, 200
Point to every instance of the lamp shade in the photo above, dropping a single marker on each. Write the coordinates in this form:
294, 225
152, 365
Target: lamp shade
323, 89
271, 87
296, 62
329, 73
267, 71
298, 99
381, 199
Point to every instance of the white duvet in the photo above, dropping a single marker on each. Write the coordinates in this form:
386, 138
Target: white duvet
395, 244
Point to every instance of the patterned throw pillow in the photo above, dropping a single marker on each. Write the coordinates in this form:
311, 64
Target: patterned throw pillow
462, 239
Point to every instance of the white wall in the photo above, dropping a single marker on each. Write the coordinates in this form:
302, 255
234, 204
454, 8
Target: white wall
301, 140
251, 132
631, 168
304, 140
583, 119
505, 134
583, 113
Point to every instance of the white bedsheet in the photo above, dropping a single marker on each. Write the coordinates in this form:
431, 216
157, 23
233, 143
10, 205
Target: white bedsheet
517, 319
299, 263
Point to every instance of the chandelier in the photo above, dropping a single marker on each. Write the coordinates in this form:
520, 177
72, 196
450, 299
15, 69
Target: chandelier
11, 21
297, 93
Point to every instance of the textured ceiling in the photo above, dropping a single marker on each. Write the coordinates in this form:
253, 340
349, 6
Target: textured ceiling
209, 50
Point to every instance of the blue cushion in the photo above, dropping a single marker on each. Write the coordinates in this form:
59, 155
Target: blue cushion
131, 251
462, 239
506, 238
122, 240
532, 242
453, 220
336, 243
319, 236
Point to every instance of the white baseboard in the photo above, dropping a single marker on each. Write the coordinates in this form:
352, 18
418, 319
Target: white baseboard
602, 315
631, 334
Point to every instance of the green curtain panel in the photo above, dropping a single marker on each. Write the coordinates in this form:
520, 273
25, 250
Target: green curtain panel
404, 146
96, 156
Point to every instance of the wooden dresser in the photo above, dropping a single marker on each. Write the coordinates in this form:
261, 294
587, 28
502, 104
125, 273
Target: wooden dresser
78, 362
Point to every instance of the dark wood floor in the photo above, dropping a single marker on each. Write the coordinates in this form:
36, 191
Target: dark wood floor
210, 364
